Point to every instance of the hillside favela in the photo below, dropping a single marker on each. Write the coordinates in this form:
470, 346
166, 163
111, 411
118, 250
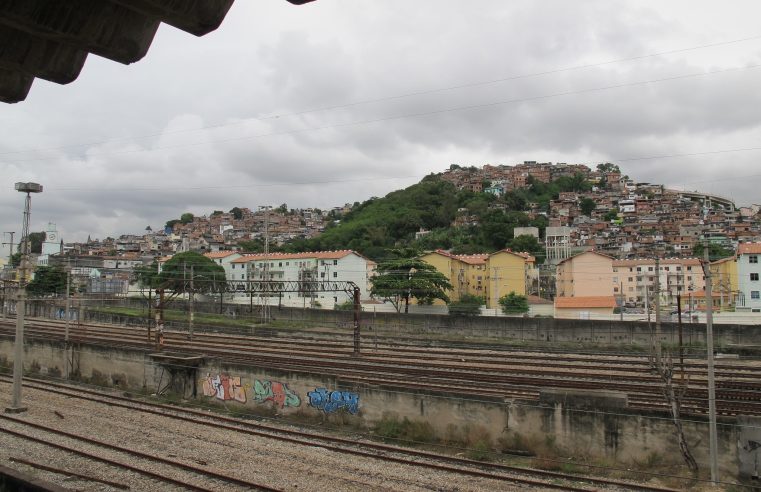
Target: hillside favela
297, 245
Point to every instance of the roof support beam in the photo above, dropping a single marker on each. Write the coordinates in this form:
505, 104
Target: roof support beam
197, 17
97, 26
14, 86
56, 62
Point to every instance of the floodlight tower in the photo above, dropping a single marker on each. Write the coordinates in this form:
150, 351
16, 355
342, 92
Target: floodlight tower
18, 348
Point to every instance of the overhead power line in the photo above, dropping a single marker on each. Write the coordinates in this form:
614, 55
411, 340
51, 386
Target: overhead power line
405, 95
411, 176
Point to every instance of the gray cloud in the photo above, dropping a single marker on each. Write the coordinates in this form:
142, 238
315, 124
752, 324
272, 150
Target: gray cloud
207, 123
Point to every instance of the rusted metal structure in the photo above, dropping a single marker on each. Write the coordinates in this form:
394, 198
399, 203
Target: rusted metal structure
51, 39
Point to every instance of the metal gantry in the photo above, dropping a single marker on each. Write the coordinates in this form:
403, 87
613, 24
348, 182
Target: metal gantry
270, 288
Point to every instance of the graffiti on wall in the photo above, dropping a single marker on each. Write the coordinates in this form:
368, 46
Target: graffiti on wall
224, 387
332, 401
276, 392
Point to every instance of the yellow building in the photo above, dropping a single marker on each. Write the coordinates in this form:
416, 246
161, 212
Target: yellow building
725, 281
489, 276
509, 271
588, 274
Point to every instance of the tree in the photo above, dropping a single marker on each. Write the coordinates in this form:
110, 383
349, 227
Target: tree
237, 213
35, 242
216, 212
171, 223
405, 276
513, 303
526, 243
186, 218
611, 214
207, 275
608, 168
252, 246
47, 280
587, 205
715, 251
468, 305
147, 276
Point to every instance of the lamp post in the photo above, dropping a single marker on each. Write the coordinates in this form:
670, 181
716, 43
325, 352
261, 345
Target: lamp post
266, 305
18, 348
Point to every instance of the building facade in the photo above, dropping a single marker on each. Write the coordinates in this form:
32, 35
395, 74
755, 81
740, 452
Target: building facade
748, 274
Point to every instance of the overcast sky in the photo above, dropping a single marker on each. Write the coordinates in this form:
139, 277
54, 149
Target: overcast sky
340, 100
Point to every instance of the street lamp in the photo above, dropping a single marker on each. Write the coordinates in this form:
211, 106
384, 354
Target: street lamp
18, 348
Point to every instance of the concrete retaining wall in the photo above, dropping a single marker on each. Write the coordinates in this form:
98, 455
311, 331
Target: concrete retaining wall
595, 427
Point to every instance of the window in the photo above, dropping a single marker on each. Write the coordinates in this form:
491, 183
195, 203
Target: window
335, 274
639, 269
753, 259
678, 269
335, 262
615, 280
280, 264
631, 279
754, 277
754, 294
649, 269
322, 274
689, 268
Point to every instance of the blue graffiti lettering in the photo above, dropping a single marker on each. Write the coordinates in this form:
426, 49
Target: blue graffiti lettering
332, 401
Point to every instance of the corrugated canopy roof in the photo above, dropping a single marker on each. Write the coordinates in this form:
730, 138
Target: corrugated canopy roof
51, 39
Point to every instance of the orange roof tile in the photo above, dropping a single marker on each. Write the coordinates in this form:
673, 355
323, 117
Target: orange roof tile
585, 302
749, 248
319, 255
651, 261
219, 254
526, 256
585, 252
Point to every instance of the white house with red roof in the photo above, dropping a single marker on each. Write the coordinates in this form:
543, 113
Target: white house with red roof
317, 266
749, 277
224, 259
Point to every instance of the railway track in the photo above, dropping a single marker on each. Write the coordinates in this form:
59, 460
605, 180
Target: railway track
476, 372
387, 453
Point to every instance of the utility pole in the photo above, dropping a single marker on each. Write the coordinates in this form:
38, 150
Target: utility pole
5, 285
713, 441
266, 305
681, 343
357, 311
68, 308
495, 302
18, 346
658, 311
192, 302
621, 308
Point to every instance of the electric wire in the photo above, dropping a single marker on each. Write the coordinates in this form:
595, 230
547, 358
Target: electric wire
368, 121
405, 95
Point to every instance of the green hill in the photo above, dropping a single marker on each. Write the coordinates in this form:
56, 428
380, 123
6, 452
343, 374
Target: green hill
485, 221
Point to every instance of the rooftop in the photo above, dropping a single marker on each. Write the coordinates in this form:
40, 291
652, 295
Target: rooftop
51, 39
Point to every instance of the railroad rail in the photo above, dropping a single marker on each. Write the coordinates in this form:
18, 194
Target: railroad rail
477, 372
387, 453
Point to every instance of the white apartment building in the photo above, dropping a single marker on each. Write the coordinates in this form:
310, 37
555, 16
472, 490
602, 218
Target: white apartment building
321, 267
224, 259
748, 274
